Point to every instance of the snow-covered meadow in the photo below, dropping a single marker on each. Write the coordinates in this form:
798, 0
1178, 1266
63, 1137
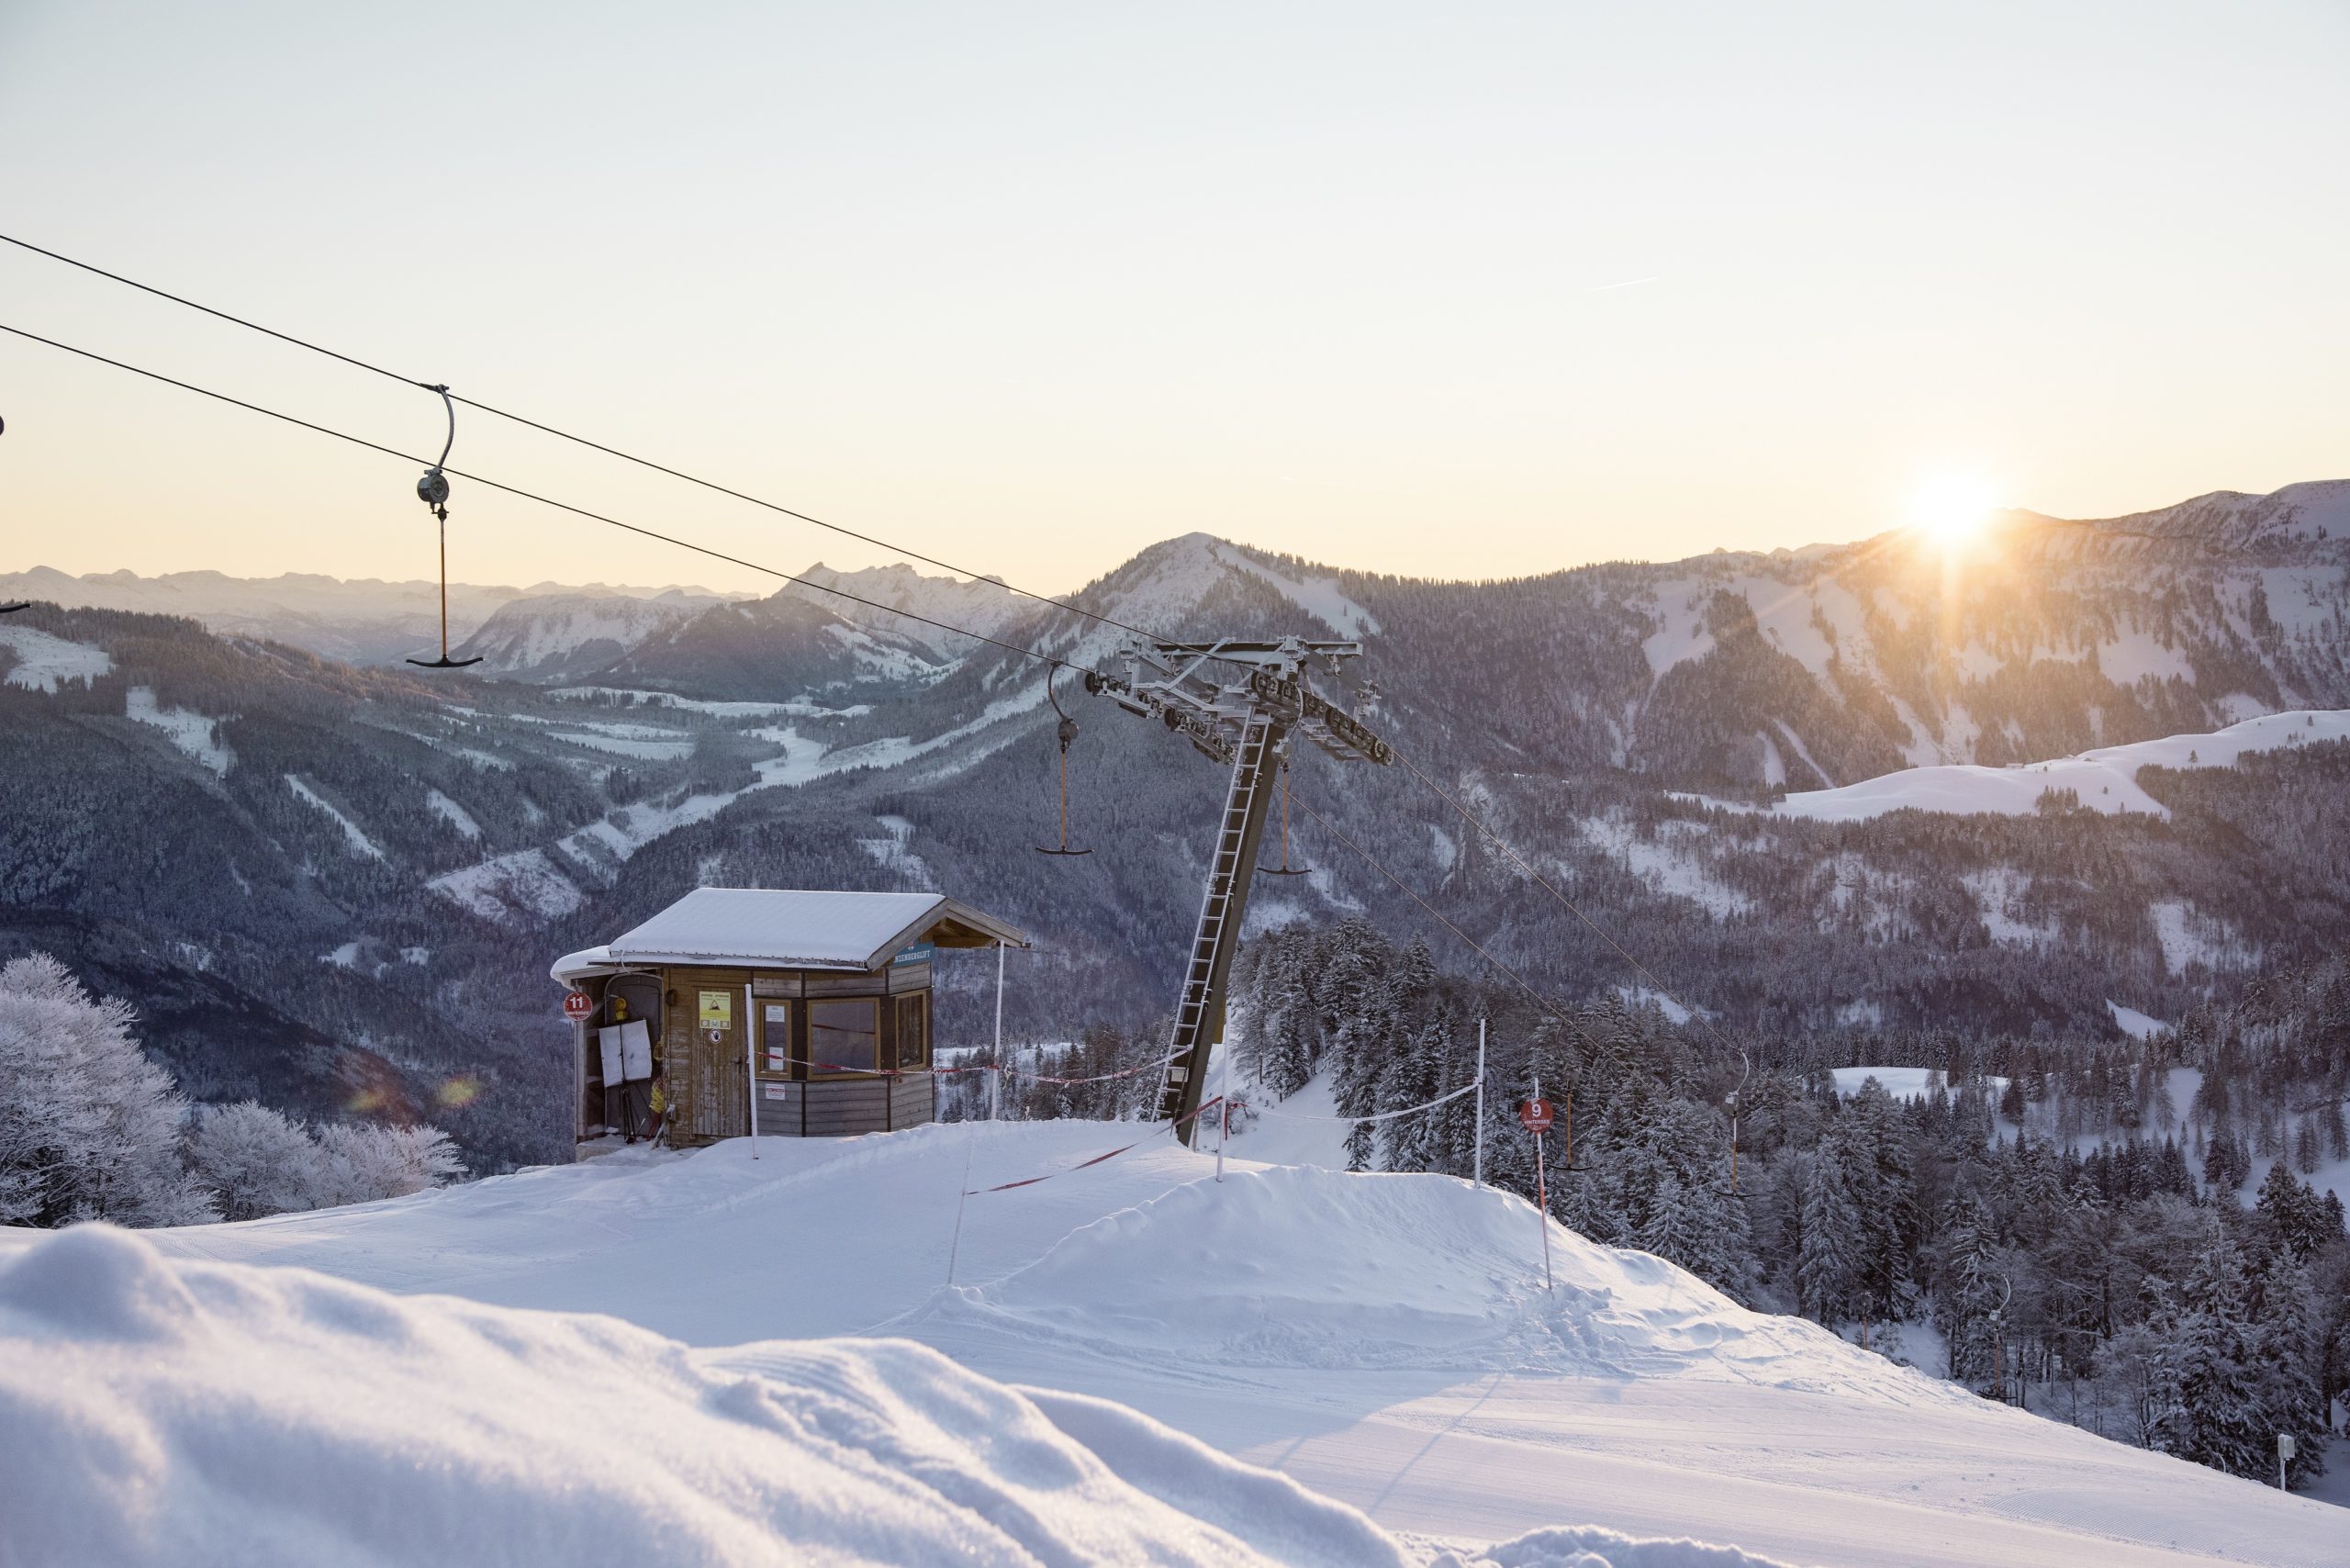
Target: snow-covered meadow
1384, 1340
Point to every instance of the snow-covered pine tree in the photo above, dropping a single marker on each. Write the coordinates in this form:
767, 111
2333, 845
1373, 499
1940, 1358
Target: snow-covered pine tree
1367, 1045
2289, 1215
2214, 1413
1409, 1143
91, 1129
1870, 1139
1284, 1037
1828, 1260
2288, 1350
1970, 1285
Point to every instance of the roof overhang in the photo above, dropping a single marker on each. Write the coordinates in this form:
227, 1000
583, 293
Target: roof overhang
782, 929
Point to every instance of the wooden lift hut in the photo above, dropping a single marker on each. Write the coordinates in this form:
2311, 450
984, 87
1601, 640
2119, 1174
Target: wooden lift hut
817, 1004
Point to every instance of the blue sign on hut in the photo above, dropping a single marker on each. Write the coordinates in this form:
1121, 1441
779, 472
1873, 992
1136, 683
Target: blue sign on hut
810, 1011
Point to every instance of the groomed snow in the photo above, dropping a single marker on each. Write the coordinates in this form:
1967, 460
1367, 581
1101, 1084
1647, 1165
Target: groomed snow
1319, 596
1382, 1340
2106, 780
1661, 867
194, 733
522, 883
45, 662
456, 815
2136, 1024
600, 738
1643, 996
1901, 1082
359, 842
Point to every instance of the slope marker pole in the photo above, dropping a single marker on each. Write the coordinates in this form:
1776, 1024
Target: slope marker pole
751, 1062
1479, 1166
1224, 1096
995, 1079
1542, 1191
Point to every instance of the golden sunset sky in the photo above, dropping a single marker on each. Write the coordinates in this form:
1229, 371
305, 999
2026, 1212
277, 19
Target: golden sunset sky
1449, 290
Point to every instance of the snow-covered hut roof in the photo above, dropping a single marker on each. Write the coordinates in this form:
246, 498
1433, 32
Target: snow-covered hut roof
793, 929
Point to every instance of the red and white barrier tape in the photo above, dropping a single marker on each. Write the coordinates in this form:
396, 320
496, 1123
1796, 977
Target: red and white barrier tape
1008, 1071
1085, 1164
1159, 1066
1379, 1116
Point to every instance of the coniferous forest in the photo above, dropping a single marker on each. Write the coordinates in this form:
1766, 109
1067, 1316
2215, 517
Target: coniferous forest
2050, 1223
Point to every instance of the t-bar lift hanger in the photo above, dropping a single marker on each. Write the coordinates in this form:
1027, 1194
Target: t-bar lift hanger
433, 490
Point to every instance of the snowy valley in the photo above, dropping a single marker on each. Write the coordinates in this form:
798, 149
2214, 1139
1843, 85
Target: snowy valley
2051, 847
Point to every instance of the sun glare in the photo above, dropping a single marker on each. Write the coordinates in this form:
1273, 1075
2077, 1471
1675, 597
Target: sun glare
1951, 508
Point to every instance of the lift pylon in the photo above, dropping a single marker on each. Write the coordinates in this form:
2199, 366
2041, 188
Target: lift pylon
1241, 704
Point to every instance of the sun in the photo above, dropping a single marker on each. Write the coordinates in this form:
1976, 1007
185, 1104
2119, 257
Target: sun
1950, 509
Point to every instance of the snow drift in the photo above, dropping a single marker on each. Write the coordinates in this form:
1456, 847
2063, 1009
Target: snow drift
178, 1413
1287, 1266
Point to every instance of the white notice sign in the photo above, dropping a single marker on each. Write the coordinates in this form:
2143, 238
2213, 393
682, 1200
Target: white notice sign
778, 1090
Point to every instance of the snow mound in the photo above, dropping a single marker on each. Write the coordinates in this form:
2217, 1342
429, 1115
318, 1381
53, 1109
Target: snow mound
1287, 1266
188, 1412
1589, 1547
168, 1412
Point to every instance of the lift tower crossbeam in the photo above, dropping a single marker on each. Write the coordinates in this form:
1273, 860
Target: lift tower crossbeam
1245, 720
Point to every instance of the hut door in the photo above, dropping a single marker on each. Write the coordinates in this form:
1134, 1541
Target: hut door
715, 1003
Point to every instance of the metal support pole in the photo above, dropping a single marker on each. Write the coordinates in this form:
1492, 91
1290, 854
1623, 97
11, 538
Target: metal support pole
1223, 1102
1477, 1168
1542, 1194
751, 1062
579, 1085
995, 1079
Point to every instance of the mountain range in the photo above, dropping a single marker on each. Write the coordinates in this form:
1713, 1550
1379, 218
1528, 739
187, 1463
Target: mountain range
362, 620
368, 869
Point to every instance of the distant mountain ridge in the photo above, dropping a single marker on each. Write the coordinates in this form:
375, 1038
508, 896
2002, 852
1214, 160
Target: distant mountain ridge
356, 621
369, 869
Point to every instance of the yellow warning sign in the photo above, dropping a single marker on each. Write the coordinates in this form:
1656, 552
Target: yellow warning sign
718, 1010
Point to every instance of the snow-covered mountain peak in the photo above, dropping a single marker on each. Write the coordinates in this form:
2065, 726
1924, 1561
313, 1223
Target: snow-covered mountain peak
572, 633
980, 605
1178, 578
2305, 521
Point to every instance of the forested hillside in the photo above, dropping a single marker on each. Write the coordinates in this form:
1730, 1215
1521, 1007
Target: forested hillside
365, 872
2145, 1239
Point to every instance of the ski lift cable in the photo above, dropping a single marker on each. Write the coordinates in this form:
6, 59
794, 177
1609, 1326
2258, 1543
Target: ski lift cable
551, 501
715, 554
600, 446
1569, 905
1469, 1087
1047, 659
1377, 865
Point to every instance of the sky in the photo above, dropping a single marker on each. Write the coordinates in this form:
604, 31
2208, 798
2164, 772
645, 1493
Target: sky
1462, 291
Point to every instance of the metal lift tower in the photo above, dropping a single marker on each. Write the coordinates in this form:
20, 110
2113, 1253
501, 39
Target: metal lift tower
1239, 703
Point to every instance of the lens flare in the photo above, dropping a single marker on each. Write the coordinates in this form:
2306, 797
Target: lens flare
1952, 508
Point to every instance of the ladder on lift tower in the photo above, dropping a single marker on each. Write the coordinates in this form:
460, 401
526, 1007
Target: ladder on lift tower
1246, 722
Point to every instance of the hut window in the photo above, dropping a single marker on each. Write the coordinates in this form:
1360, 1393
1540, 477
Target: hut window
775, 1034
844, 1033
914, 1030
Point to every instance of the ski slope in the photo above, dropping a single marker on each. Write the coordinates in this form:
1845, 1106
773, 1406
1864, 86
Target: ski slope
2105, 780
1384, 1341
